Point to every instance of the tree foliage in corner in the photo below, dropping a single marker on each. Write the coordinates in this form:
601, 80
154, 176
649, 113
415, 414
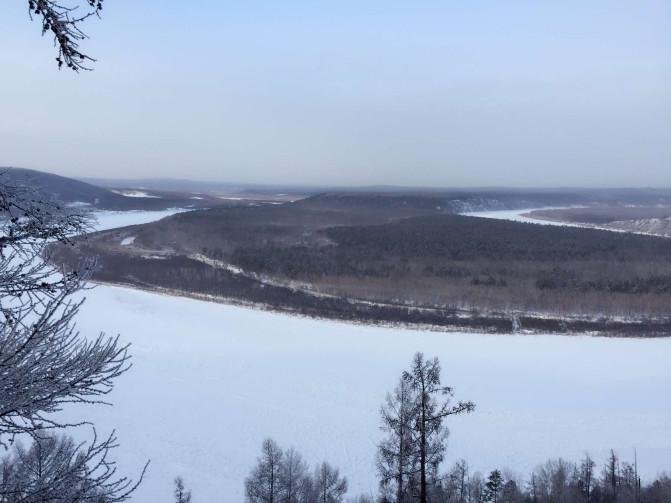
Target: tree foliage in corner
45, 363
64, 23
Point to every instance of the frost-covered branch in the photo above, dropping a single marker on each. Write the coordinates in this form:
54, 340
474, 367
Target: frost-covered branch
45, 363
56, 469
63, 21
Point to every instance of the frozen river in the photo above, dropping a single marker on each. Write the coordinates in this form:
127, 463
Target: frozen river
211, 381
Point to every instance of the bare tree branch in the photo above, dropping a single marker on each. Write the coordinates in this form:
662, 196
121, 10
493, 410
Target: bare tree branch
64, 22
45, 363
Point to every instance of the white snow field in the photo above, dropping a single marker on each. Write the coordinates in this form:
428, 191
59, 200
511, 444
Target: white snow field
211, 381
518, 216
104, 220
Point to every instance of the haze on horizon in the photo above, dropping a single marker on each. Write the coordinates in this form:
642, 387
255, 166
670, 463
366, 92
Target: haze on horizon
426, 93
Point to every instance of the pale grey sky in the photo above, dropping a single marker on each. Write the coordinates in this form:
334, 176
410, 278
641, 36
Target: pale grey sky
443, 93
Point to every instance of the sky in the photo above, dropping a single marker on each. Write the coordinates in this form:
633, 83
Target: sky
349, 92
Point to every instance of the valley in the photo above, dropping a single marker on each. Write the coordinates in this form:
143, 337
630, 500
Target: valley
402, 258
243, 375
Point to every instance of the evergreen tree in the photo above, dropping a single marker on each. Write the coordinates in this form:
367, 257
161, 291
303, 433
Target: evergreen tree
432, 406
493, 486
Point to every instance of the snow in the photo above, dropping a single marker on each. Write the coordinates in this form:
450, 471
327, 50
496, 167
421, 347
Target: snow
112, 219
518, 216
135, 193
128, 241
210, 381
640, 227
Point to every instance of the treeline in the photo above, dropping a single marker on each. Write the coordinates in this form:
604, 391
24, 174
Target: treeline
407, 250
283, 476
411, 454
380, 249
468, 312
556, 481
480, 264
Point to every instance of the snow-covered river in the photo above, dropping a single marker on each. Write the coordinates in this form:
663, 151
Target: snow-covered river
211, 381
519, 216
514, 215
104, 220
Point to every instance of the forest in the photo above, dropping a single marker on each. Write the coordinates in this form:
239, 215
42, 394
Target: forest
397, 258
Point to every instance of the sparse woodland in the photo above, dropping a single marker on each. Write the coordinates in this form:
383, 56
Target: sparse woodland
411, 463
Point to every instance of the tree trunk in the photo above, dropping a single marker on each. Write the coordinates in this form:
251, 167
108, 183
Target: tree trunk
399, 485
422, 448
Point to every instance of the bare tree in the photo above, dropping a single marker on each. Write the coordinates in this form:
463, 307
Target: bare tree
458, 480
611, 475
64, 22
182, 495
54, 468
362, 498
293, 477
396, 458
44, 362
586, 478
433, 405
330, 487
263, 485
282, 477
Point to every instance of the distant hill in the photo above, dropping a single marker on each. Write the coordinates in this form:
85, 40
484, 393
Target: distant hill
156, 194
75, 192
175, 184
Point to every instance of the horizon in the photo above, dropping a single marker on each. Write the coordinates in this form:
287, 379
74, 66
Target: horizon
436, 93
105, 181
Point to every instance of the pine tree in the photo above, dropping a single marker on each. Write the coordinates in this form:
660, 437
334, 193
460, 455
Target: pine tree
432, 405
493, 486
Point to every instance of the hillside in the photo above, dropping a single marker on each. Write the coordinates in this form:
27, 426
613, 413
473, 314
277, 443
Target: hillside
75, 192
653, 220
